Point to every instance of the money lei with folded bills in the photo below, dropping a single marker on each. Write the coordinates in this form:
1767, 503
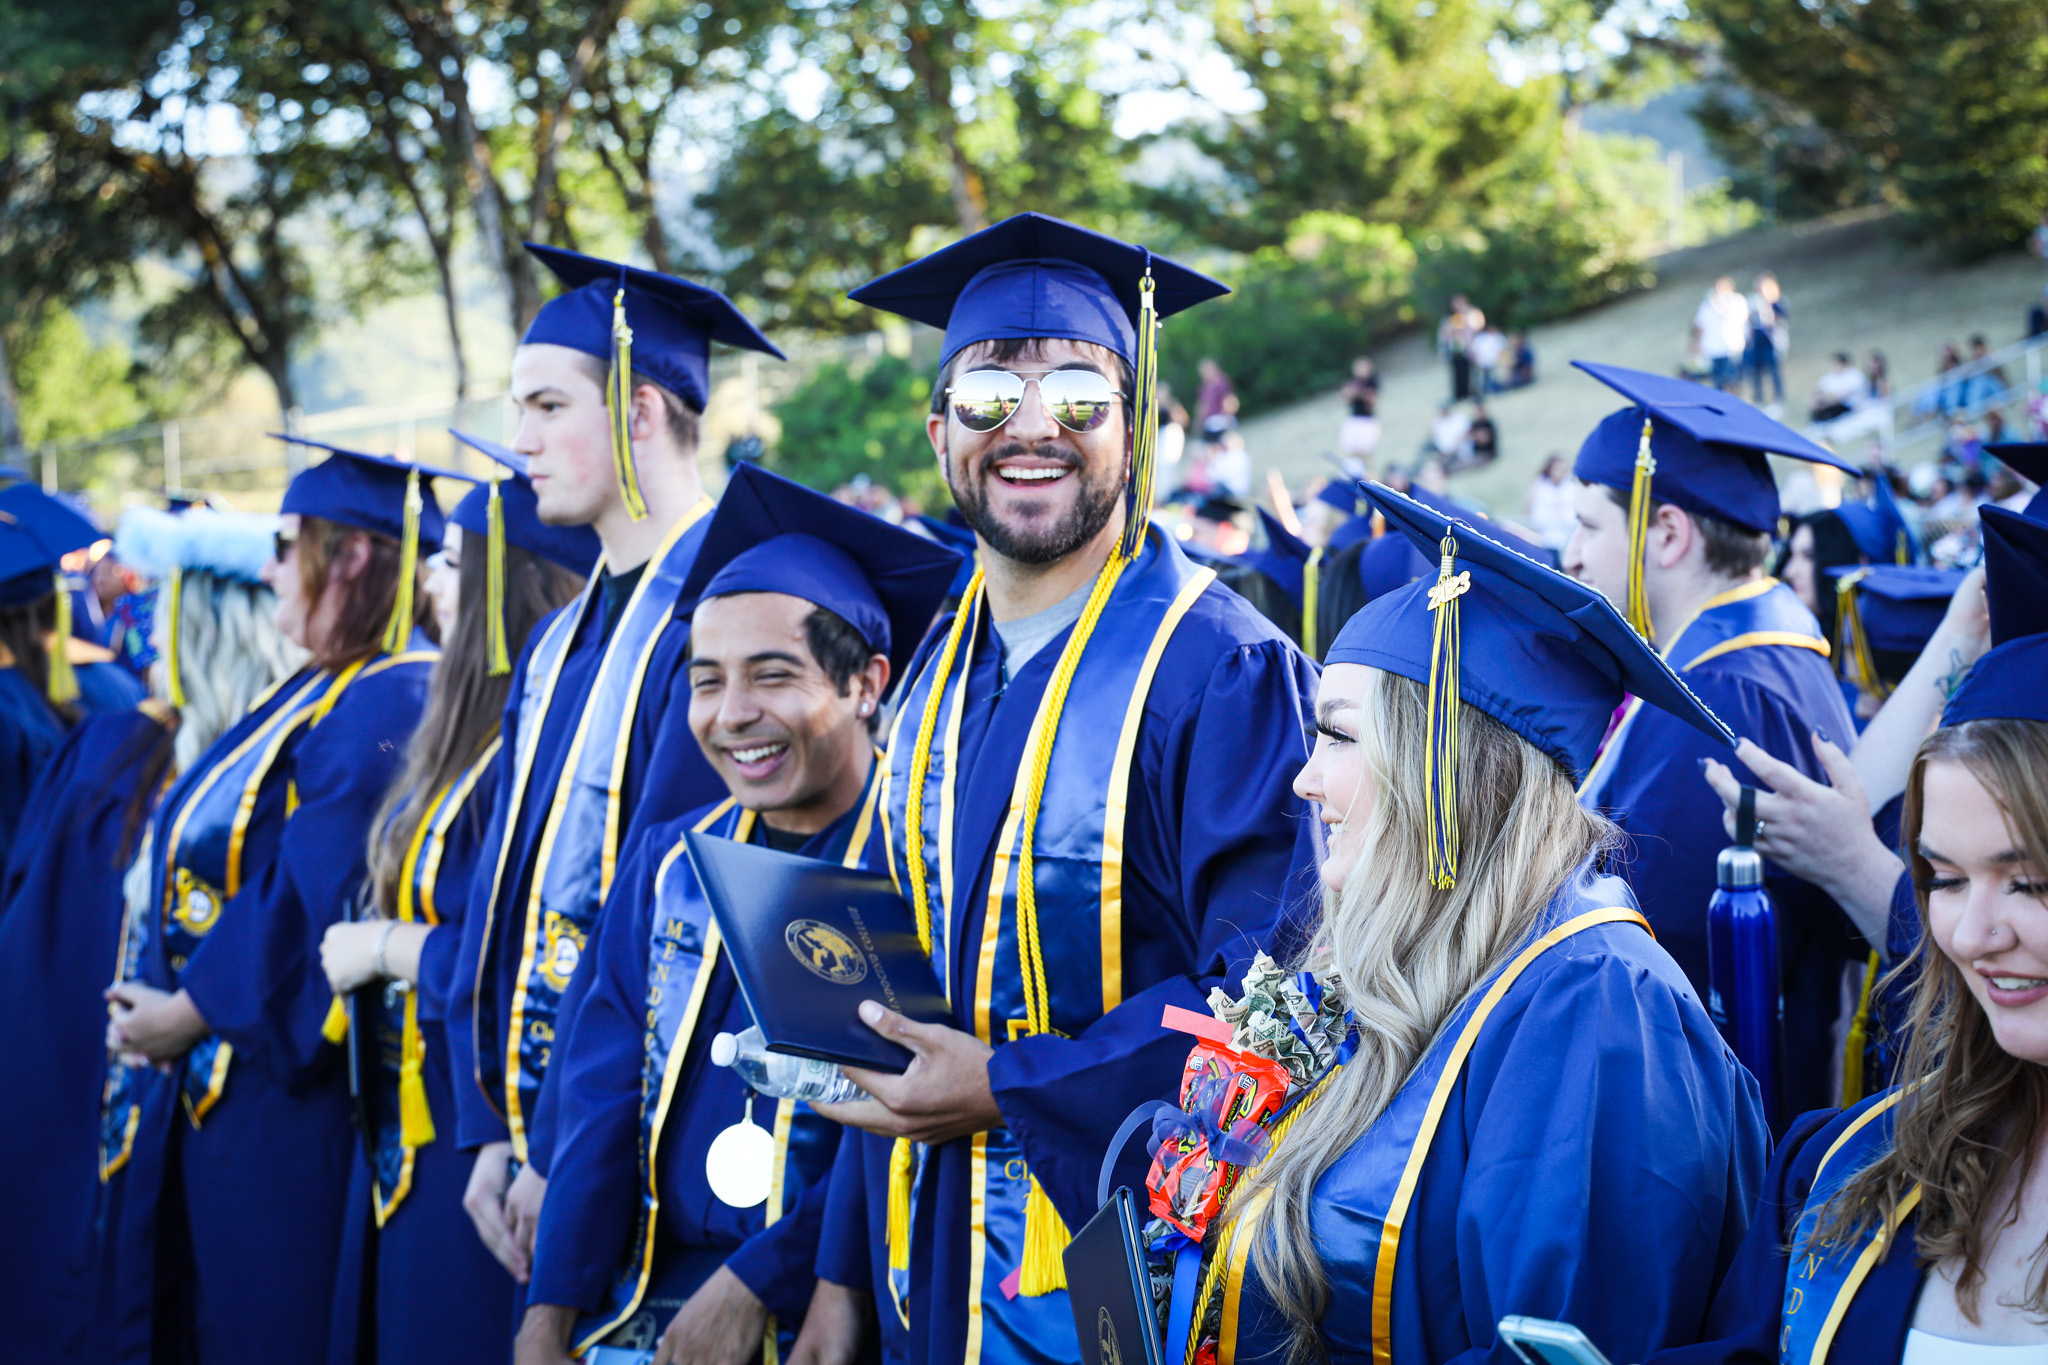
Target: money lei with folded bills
1297, 1018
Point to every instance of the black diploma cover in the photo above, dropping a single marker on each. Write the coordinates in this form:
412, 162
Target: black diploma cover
1110, 1290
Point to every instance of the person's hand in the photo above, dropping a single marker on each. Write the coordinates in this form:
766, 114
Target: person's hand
544, 1335
833, 1326
720, 1324
522, 1209
348, 954
157, 1026
945, 1094
484, 1202
1966, 625
1821, 834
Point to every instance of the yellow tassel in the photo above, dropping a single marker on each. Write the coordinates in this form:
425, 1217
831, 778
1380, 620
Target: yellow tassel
1851, 638
1045, 1237
1902, 549
335, 1027
63, 685
399, 631
494, 607
174, 588
1859, 1039
901, 1158
1638, 538
621, 403
1145, 427
1440, 760
1311, 584
415, 1121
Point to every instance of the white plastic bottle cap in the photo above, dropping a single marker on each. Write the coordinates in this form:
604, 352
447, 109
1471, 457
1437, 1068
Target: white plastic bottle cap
724, 1049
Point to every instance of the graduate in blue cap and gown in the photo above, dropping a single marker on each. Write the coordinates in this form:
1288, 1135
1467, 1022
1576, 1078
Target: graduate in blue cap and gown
610, 381
1532, 1113
805, 611
416, 1284
1907, 1228
1087, 801
1676, 508
1273, 577
254, 851
63, 904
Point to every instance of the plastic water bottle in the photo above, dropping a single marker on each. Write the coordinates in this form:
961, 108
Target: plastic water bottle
1745, 996
780, 1076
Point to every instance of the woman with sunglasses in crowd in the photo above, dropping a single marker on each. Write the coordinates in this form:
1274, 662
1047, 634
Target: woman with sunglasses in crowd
237, 1164
1913, 1227
417, 1285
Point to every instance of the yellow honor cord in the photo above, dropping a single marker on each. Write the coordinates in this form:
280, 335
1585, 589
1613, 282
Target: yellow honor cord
62, 688
620, 400
399, 631
1311, 584
1440, 759
901, 1160
1638, 537
1859, 1038
494, 606
1144, 424
174, 591
415, 1120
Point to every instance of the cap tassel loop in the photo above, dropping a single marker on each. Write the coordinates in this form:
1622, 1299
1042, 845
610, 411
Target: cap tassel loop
400, 630
900, 1162
619, 398
1145, 426
1851, 637
174, 682
1440, 761
494, 605
1638, 537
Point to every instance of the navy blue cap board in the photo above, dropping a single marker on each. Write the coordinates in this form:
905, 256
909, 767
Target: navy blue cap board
955, 536
2011, 681
1393, 561
36, 532
1339, 493
575, 548
1283, 558
1894, 608
1697, 448
772, 535
2029, 459
1544, 655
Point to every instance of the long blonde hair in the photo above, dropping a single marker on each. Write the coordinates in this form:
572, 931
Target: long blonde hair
1409, 954
1978, 1110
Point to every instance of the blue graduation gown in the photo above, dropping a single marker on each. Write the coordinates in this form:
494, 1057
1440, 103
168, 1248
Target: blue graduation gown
596, 1178
422, 1289
1746, 1322
1595, 1162
59, 932
1649, 782
29, 734
664, 775
251, 1202
1210, 843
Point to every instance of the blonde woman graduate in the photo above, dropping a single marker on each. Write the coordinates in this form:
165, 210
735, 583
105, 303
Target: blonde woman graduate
1532, 1113
1912, 1228
416, 1283
255, 850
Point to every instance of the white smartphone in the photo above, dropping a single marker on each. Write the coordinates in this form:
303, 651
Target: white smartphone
1540, 1341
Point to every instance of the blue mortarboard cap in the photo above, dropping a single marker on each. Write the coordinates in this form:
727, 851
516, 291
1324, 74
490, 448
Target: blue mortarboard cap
575, 548
2011, 681
960, 540
1709, 447
366, 491
1393, 561
36, 532
674, 321
2029, 459
1898, 606
1036, 276
1340, 493
1542, 654
772, 535
1283, 558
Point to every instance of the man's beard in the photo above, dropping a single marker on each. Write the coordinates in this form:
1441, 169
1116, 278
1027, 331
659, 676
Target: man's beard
1038, 541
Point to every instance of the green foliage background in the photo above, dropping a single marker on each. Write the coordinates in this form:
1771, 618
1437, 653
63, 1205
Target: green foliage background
861, 417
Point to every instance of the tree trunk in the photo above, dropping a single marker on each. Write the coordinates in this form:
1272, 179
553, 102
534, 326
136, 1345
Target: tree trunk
970, 204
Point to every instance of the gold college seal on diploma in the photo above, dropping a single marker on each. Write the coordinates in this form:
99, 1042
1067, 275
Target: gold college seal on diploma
827, 952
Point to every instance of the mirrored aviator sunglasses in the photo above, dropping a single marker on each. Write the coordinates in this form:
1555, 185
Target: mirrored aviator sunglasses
1079, 400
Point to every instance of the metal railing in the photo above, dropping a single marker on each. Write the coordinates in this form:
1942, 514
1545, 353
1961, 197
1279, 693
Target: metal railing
1907, 420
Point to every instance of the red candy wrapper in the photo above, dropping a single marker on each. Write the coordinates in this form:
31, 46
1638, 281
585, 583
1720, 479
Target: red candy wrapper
1187, 1184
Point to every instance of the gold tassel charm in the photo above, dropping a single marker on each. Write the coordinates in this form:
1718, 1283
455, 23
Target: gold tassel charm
174, 682
1043, 1268
619, 398
901, 1160
415, 1121
63, 684
1145, 424
1440, 760
399, 631
494, 605
1638, 538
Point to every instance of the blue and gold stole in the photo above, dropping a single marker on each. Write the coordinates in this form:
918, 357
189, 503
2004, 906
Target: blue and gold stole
1063, 958
682, 956
579, 843
195, 854
1821, 1282
1400, 1138
401, 1120
1755, 614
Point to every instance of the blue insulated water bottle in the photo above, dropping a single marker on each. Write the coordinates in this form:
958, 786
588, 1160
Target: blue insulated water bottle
1744, 995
